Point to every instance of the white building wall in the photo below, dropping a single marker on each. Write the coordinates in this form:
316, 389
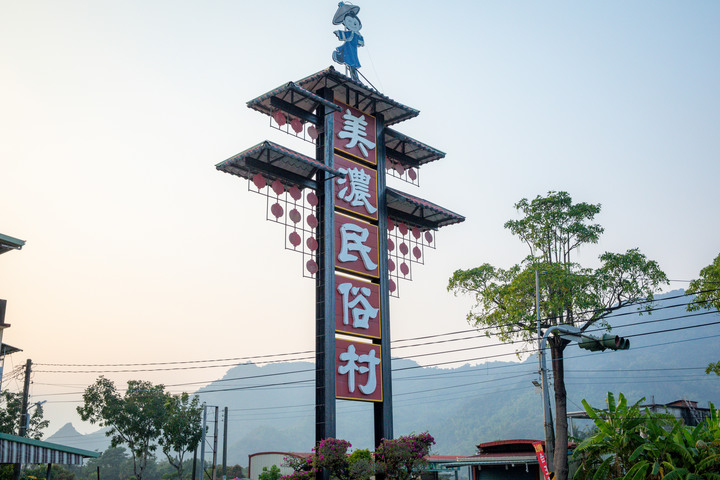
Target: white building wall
260, 460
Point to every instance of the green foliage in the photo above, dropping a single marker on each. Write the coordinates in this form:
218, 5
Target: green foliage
272, 473
114, 464
707, 296
401, 458
134, 419
181, 429
706, 288
631, 444
505, 299
361, 465
10, 409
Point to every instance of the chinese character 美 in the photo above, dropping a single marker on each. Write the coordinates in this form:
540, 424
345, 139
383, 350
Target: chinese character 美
362, 311
351, 240
352, 366
357, 192
354, 129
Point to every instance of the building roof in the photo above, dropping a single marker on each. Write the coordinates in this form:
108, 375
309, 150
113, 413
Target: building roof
8, 243
275, 162
415, 211
358, 95
14, 449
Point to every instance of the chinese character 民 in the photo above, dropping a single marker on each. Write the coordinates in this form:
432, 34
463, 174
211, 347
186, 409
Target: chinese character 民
361, 309
352, 366
357, 190
354, 129
351, 240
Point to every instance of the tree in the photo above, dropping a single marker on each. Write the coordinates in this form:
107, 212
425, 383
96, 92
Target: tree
707, 296
10, 409
134, 419
182, 428
401, 458
553, 228
114, 464
272, 473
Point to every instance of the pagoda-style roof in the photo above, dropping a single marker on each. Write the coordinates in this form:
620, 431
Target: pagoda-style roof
292, 99
275, 162
408, 151
416, 211
358, 95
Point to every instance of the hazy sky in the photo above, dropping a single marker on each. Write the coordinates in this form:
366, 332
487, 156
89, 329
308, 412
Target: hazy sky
113, 115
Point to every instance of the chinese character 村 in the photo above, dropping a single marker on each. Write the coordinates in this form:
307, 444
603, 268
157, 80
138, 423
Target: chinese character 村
362, 311
354, 130
352, 366
357, 190
351, 240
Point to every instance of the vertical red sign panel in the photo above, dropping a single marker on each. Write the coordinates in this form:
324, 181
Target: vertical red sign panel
356, 246
355, 133
358, 371
357, 191
541, 460
357, 307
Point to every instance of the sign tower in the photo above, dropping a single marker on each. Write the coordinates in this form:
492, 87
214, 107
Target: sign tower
357, 236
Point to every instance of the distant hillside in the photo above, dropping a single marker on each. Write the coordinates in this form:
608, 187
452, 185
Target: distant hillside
272, 406
67, 435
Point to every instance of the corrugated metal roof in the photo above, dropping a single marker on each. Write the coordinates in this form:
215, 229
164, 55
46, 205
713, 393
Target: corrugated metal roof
8, 243
291, 94
358, 95
275, 162
14, 449
409, 151
406, 208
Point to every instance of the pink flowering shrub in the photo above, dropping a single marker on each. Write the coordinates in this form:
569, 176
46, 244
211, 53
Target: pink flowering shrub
400, 457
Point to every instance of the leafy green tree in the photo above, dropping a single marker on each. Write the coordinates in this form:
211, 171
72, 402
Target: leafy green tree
134, 419
114, 464
707, 296
272, 473
182, 428
10, 408
361, 464
553, 228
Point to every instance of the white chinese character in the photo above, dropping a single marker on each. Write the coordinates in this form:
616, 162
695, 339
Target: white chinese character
362, 311
354, 129
352, 366
351, 240
372, 361
357, 192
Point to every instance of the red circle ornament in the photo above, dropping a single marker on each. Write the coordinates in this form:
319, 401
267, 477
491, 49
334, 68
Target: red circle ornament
404, 248
311, 243
312, 221
391, 245
428, 236
391, 286
404, 268
312, 131
259, 181
279, 117
276, 210
391, 265
417, 253
412, 174
295, 215
416, 232
278, 187
403, 228
295, 192
390, 225
399, 168
296, 125
294, 239
312, 199
311, 266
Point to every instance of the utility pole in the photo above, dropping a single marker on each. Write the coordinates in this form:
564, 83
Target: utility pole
23, 412
547, 414
215, 441
225, 426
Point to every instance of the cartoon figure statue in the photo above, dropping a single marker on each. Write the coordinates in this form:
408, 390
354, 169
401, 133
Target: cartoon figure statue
347, 52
